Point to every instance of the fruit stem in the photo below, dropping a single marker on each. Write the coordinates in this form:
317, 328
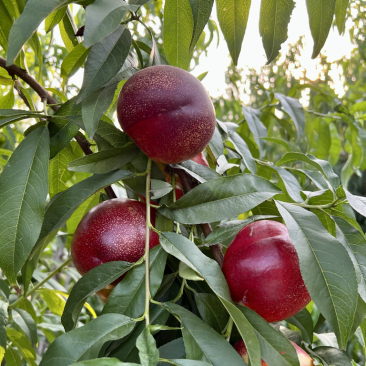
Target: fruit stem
147, 244
40, 284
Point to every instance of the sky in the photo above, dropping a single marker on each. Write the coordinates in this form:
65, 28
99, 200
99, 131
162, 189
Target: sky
253, 55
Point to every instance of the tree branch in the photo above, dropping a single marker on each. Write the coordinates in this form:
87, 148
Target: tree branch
187, 185
15, 70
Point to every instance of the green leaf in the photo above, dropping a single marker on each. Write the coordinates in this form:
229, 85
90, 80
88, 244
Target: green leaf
212, 311
148, 353
64, 204
58, 173
226, 231
304, 322
322, 165
220, 199
104, 362
23, 344
127, 351
354, 241
216, 350
275, 347
67, 31
102, 18
34, 12
233, 18
94, 107
333, 356
201, 10
3, 323
273, 25
26, 323
177, 32
89, 340
113, 135
242, 148
54, 18
256, 126
12, 357
24, 187
335, 294
295, 110
200, 172
7, 101
128, 297
54, 301
35, 43
358, 203
105, 59
188, 273
159, 188
105, 161
17, 113
73, 61
180, 362
321, 14
96, 279
216, 146
187, 252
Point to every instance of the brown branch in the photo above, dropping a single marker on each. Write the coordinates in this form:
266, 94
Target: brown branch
18, 86
15, 70
188, 184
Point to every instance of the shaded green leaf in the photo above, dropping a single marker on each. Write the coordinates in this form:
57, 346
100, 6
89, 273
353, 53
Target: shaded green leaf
216, 350
89, 339
104, 362
322, 165
96, 279
12, 357
105, 161
335, 294
128, 297
275, 347
148, 353
228, 230
54, 301
73, 61
67, 30
200, 172
242, 148
273, 25
3, 323
23, 344
26, 323
34, 12
177, 32
54, 18
321, 13
24, 187
304, 322
358, 203
105, 59
102, 18
233, 18
333, 356
201, 10
220, 199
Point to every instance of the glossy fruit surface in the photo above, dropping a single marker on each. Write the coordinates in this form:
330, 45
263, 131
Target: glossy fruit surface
113, 230
262, 270
167, 112
304, 358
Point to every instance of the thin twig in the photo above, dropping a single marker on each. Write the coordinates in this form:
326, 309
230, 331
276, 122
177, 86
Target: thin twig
15, 70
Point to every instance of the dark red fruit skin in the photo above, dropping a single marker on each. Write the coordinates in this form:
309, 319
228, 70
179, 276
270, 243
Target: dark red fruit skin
201, 159
113, 230
167, 112
262, 270
243, 352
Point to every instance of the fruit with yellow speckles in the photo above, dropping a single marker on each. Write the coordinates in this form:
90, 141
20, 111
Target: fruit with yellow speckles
167, 112
113, 230
304, 358
262, 270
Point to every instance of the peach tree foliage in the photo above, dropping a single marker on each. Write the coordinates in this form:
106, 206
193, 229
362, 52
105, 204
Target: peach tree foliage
61, 154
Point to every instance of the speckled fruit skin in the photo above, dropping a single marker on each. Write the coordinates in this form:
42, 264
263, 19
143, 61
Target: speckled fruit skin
262, 270
167, 112
304, 358
113, 230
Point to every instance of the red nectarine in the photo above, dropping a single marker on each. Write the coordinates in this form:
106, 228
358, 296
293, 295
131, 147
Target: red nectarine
262, 270
167, 112
113, 230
